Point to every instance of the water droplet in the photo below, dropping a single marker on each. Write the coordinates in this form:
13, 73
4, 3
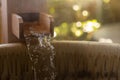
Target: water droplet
41, 54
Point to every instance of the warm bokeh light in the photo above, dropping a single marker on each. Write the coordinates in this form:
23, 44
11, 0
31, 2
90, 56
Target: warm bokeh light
78, 24
106, 1
85, 13
91, 26
76, 7
55, 34
88, 27
76, 29
97, 25
57, 30
52, 10
78, 33
73, 29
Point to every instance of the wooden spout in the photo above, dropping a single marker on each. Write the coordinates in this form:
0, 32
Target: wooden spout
35, 22
43, 25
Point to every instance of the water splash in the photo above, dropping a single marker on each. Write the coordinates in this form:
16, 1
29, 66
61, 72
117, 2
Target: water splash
41, 54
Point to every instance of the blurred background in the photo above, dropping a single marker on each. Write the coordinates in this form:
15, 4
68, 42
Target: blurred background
94, 20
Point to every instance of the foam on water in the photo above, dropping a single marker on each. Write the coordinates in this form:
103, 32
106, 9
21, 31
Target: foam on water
41, 54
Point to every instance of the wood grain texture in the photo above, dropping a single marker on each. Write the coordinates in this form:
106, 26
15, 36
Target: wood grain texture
75, 60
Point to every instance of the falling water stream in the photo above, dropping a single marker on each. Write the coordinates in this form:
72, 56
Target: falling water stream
41, 54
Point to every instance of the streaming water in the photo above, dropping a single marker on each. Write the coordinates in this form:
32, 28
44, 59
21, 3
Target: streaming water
41, 54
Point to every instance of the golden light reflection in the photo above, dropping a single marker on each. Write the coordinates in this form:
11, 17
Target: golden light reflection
77, 29
76, 7
52, 10
97, 25
78, 33
85, 13
78, 24
91, 26
73, 29
57, 30
88, 27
